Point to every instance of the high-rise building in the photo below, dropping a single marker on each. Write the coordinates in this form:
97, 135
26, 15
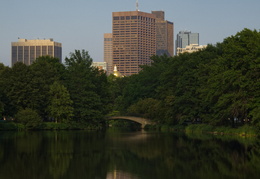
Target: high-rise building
108, 53
164, 34
134, 40
185, 38
27, 51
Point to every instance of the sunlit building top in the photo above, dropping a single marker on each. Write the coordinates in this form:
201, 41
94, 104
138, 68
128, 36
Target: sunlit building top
190, 48
100, 65
26, 51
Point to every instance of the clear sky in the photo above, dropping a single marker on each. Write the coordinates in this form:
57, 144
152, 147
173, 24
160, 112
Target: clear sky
80, 24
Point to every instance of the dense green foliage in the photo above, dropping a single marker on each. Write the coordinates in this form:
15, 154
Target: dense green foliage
60, 103
29, 118
87, 87
218, 86
74, 92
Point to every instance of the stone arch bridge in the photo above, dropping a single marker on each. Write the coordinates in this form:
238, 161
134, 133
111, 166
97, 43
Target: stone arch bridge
139, 120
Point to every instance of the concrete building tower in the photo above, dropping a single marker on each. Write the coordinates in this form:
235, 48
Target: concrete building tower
164, 34
134, 40
108, 53
27, 51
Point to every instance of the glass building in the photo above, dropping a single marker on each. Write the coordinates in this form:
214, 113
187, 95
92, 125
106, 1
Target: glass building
185, 38
26, 51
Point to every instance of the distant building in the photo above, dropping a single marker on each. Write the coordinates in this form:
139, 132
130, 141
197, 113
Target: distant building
108, 52
134, 40
164, 34
185, 38
27, 51
100, 65
190, 48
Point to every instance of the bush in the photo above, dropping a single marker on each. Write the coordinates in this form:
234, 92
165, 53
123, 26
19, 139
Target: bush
29, 118
199, 128
6, 125
54, 126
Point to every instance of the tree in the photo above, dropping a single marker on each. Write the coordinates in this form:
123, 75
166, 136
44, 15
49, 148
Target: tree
45, 70
60, 103
29, 118
147, 108
233, 82
218, 83
18, 88
80, 80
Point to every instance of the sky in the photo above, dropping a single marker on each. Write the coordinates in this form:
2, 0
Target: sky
81, 24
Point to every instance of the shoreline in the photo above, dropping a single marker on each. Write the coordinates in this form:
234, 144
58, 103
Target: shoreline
242, 131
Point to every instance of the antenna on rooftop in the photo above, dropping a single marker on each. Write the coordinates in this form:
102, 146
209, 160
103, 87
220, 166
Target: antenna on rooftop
137, 5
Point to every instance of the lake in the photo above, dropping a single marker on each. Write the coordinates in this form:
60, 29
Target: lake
117, 154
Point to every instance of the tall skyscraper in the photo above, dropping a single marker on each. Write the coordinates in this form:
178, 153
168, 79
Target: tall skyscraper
108, 52
134, 40
27, 51
185, 38
164, 34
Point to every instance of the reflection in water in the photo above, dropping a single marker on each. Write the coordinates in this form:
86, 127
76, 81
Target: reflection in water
120, 175
121, 155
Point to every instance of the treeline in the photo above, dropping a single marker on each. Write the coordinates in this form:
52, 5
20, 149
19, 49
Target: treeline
50, 91
218, 85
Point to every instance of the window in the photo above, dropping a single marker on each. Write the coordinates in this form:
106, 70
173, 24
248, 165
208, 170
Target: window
38, 51
116, 18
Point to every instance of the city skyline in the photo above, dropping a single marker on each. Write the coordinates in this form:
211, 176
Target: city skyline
77, 25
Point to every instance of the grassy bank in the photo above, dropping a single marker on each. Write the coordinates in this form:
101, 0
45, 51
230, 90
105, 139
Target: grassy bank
13, 126
245, 130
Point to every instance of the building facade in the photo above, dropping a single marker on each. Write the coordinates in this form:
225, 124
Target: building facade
100, 65
134, 40
108, 52
190, 48
164, 34
185, 38
26, 51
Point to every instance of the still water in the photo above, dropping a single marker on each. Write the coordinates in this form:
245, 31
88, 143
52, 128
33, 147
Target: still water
126, 155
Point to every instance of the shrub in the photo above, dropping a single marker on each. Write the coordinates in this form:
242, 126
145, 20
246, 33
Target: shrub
29, 118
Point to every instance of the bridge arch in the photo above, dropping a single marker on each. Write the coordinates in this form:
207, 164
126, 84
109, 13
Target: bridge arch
139, 120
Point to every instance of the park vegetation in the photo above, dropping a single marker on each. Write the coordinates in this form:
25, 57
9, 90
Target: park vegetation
217, 86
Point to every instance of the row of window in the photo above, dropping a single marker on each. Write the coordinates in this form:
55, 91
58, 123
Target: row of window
133, 18
27, 54
108, 39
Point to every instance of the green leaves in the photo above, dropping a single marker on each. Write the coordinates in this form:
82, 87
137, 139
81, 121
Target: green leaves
60, 107
85, 84
218, 83
29, 118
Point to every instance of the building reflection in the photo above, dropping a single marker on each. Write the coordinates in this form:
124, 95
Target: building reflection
117, 174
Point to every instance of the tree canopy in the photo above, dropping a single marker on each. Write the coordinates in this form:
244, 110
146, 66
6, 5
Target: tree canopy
218, 85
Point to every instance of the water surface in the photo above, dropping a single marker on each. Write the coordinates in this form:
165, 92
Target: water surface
125, 155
